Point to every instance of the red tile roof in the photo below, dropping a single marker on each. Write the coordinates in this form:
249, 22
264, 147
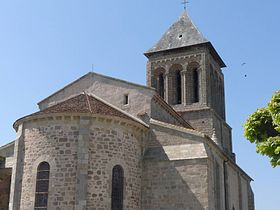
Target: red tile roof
82, 103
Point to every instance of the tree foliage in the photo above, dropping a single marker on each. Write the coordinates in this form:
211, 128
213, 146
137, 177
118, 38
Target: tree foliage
263, 128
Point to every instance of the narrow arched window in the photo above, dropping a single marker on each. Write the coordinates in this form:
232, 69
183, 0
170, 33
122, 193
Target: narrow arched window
195, 86
42, 186
161, 85
178, 88
117, 188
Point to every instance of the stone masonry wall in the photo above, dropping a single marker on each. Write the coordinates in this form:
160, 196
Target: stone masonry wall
175, 170
238, 189
81, 152
201, 120
5, 182
244, 193
206, 121
110, 89
55, 142
233, 188
215, 79
251, 201
217, 184
174, 185
161, 114
184, 62
110, 146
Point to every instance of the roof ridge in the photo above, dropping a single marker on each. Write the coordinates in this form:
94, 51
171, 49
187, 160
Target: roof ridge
118, 109
85, 103
89, 106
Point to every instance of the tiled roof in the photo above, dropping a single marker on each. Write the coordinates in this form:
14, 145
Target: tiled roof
82, 103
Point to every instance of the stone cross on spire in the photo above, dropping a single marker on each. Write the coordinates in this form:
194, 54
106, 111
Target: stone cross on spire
185, 2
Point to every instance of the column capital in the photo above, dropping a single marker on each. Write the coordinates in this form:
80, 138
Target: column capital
168, 66
185, 67
183, 72
166, 73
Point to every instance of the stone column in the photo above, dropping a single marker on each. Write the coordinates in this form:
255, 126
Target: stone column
184, 86
82, 165
166, 86
158, 88
189, 86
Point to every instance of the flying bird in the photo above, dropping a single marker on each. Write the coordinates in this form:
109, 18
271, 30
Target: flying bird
243, 64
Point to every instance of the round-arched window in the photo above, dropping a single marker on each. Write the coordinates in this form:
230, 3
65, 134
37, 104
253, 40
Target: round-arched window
42, 186
117, 188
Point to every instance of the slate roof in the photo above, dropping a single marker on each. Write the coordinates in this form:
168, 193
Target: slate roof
84, 103
182, 33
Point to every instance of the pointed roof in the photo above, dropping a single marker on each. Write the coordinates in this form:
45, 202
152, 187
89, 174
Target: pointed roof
84, 103
182, 33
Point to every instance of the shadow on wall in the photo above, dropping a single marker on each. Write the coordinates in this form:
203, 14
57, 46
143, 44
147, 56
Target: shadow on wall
5, 183
167, 184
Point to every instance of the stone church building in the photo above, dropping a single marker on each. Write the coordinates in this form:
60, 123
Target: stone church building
101, 143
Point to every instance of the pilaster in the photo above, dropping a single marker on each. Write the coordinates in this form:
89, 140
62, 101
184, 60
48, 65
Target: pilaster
82, 164
202, 81
15, 190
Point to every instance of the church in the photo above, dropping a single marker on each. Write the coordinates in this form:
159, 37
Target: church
102, 143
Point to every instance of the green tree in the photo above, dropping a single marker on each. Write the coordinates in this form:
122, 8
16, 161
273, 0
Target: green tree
263, 128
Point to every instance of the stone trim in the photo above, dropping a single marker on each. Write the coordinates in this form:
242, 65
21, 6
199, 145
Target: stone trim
65, 107
180, 59
82, 164
7, 145
14, 201
207, 45
109, 169
178, 128
139, 125
51, 161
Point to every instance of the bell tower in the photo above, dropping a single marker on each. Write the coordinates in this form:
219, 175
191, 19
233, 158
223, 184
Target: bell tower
185, 69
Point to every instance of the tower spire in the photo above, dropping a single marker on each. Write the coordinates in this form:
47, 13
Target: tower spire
183, 33
185, 3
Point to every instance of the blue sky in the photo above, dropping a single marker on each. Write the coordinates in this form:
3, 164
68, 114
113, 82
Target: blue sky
46, 44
